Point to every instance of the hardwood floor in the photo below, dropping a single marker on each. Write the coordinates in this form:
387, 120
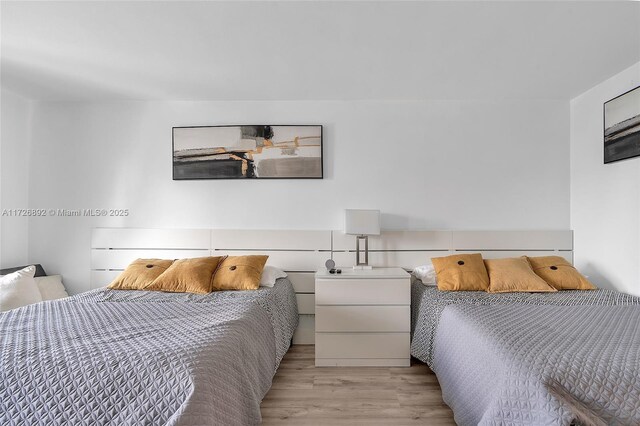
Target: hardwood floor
305, 395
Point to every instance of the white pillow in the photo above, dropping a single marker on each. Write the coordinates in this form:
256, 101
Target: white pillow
19, 289
269, 276
51, 287
426, 274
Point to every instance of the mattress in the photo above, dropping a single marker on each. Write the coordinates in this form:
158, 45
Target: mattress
136, 357
571, 357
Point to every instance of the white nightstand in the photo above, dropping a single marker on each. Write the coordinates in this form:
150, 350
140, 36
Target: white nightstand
363, 317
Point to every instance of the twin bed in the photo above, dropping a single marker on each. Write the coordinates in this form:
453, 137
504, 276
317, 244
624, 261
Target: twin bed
143, 357
571, 357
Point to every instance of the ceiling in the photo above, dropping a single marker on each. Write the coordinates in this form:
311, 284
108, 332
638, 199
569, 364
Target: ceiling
314, 50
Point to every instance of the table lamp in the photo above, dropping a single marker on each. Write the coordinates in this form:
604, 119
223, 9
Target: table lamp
362, 223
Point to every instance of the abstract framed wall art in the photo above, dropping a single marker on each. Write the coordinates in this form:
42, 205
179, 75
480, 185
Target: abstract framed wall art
622, 126
247, 152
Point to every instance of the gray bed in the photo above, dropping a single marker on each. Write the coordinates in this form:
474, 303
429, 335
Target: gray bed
571, 357
136, 357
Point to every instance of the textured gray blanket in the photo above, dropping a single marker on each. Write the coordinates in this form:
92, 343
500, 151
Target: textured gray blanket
532, 359
130, 358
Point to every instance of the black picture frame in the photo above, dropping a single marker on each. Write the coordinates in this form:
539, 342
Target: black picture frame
178, 178
621, 139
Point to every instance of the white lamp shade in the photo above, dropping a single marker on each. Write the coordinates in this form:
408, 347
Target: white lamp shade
362, 222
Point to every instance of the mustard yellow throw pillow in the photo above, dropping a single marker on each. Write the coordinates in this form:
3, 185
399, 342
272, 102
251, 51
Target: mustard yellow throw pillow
559, 273
139, 274
461, 272
514, 274
188, 276
239, 273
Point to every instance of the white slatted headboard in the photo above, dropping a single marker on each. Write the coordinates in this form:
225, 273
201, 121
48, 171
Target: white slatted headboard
301, 253
408, 249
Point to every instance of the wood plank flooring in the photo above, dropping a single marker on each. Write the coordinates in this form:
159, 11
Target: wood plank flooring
305, 395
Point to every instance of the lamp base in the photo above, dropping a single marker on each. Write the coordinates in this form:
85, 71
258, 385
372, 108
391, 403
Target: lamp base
361, 267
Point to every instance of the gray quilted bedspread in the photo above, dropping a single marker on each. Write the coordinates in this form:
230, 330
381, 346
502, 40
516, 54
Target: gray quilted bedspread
532, 359
144, 358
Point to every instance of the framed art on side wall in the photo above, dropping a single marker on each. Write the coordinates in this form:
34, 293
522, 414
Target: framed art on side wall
622, 126
247, 152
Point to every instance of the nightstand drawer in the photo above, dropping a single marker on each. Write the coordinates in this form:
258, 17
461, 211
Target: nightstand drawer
362, 345
363, 318
387, 291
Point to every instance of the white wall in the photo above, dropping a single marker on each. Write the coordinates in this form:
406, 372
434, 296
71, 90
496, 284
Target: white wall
605, 198
435, 164
15, 122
